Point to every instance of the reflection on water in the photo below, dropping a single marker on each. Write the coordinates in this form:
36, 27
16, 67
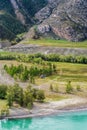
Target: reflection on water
71, 121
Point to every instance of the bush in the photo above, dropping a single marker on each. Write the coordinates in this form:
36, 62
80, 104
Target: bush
18, 94
51, 87
69, 88
3, 89
27, 98
40, 96
10, 96
4, 112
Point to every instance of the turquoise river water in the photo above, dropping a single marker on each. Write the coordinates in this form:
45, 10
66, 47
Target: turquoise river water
70, 121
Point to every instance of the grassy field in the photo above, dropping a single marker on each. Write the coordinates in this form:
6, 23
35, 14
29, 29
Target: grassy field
2, 104
68, 71
57, 43
65, 71
76, 73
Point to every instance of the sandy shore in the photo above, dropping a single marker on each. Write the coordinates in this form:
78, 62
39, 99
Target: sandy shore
50, 108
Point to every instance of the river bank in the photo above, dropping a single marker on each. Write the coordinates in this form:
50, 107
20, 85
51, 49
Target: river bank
50, 108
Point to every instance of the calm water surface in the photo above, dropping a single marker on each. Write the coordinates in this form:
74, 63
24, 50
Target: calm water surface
71, 121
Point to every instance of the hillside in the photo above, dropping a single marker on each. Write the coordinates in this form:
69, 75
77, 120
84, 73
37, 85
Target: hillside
16, 17
58, 19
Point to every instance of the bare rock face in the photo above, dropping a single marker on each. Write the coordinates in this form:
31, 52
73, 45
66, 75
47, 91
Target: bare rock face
66, 19
43, 29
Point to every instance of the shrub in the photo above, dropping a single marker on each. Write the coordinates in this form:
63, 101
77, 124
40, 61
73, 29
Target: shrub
28, 99
18, 94
4, 111
10, 96
69, 88
51, 87
3, 89
40, 96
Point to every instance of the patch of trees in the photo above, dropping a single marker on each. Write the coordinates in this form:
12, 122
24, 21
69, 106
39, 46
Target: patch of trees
42, 58
23, 97
62, 58
69, 88
39, 58
24, 73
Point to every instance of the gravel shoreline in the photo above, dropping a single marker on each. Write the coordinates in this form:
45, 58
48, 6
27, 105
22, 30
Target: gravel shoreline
58, 112
51, 108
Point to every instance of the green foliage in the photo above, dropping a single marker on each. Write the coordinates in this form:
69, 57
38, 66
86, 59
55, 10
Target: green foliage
23, 97
24, 73
28, 98
18, 94
3, 89
9, 25
10, 96
7, 56
4, 111
12, 70
32, 7
34, 93
41, 58
40, 95
51, 87
6, 6
69, 88
14, 94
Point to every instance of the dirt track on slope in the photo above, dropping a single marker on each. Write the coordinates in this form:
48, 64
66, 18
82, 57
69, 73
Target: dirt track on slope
30, 48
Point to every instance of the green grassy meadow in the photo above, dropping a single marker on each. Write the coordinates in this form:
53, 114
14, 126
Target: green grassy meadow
3, 104
57, 43
74, 72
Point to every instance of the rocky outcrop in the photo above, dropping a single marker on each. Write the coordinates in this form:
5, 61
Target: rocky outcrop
66, 18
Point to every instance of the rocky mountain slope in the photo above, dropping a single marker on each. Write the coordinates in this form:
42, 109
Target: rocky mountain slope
66, 19
16, 16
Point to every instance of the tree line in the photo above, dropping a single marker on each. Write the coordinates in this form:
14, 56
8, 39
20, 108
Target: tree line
40, 58
25, 73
